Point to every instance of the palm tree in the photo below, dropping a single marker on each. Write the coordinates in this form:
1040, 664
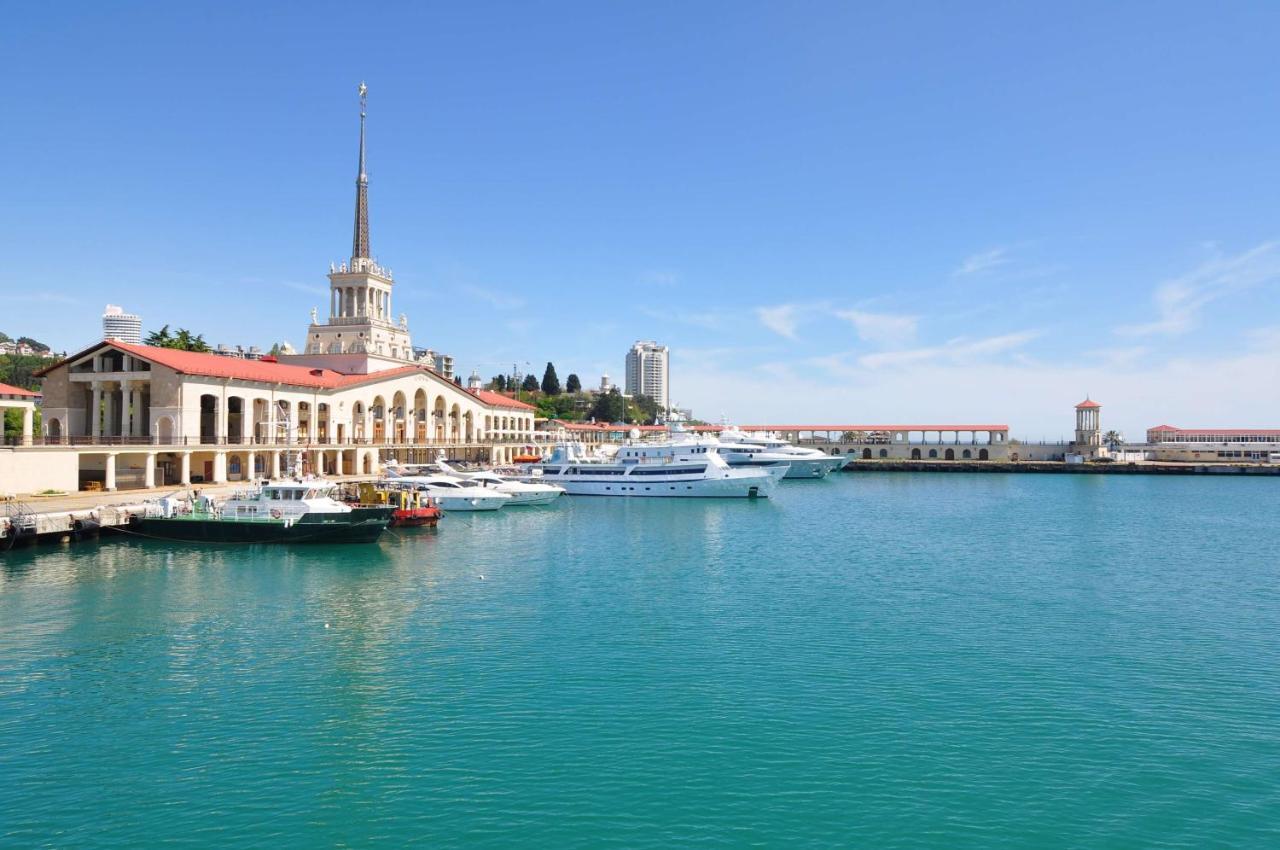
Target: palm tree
1113, 439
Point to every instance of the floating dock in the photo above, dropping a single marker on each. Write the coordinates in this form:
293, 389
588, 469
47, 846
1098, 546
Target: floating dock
21, 526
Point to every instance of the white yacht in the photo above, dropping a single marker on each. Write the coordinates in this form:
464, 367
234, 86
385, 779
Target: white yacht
453, 494
670, 469
522, 493
742, 449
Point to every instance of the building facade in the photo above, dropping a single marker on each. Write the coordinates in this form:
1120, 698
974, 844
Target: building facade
648, 372
117, 324
121, 414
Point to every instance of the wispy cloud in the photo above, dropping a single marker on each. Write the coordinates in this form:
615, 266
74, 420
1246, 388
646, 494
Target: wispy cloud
39, 298
304, 287
496, 300
960, 350
982, 262
1179, 301
660, 277
886, 329
707, 319
782, 319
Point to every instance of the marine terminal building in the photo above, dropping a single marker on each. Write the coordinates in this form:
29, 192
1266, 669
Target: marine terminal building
127, 415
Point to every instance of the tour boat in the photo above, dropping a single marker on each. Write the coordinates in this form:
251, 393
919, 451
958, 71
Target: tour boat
669, 469
303, 511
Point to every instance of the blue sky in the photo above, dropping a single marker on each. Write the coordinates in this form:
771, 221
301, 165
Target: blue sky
830, 212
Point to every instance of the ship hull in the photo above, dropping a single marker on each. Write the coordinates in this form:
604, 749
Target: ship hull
362, 525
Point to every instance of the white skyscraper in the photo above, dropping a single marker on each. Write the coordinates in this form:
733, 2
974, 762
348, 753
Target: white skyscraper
117, 324
648, 372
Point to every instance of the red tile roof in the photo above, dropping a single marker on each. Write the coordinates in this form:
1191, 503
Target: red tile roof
8, 389
266, 371
499, 400
944, 427
1087, 404
605, 426
1225, 432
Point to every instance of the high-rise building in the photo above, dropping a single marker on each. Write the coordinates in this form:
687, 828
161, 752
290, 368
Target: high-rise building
647, 372
117, 324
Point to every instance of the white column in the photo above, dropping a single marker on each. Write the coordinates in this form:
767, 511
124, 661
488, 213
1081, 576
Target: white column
28, 423
220, 419
275, 464
219, 467
139, 417
184, 474
149, 473
110, 483
95, 412
108, 413
251, 463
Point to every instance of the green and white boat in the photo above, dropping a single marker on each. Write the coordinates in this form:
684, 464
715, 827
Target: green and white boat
299, 511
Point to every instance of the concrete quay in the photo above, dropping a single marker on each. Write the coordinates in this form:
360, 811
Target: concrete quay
1059, 467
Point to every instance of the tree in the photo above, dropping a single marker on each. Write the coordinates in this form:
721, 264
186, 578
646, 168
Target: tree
498, 383
572, 384
1113, 439
530, 384
646, 409
550, 382
160, 338
4, 337
609, 407
457, 380
35, 344
183, 340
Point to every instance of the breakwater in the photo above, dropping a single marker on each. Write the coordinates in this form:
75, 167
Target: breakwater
1060, 467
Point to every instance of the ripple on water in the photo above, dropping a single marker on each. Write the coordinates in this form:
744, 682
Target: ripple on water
879, 660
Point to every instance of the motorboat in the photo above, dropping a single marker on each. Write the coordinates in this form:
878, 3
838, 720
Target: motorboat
742, 449
453, 494
522, 493
299, 511
666, 469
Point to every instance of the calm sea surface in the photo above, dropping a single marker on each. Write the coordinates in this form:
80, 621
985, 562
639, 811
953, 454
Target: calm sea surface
878, 660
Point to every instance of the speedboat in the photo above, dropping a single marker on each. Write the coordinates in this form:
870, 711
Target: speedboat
301, 511
742, 449
666, 469
521, 492
453, 494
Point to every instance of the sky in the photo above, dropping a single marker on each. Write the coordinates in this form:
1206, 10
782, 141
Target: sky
831, 212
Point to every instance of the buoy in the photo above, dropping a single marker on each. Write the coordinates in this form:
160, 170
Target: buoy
326, 625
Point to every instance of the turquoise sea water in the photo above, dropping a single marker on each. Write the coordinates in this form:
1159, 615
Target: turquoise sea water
878, 660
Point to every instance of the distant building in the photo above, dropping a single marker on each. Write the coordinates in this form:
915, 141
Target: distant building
605, 384
117, 324
1165, 442
648, 372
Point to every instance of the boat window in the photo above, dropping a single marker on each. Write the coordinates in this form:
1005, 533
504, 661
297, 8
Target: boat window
311, 494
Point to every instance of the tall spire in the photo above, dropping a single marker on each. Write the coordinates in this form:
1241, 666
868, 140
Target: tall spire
360, 239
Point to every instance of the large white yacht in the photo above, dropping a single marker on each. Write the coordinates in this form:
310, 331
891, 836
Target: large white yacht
669, 469
742, 449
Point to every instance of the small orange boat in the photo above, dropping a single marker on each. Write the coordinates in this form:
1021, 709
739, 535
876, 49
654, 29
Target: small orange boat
527, 459
411, 508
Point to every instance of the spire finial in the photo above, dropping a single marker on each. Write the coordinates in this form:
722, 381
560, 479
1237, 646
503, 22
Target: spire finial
360, 239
